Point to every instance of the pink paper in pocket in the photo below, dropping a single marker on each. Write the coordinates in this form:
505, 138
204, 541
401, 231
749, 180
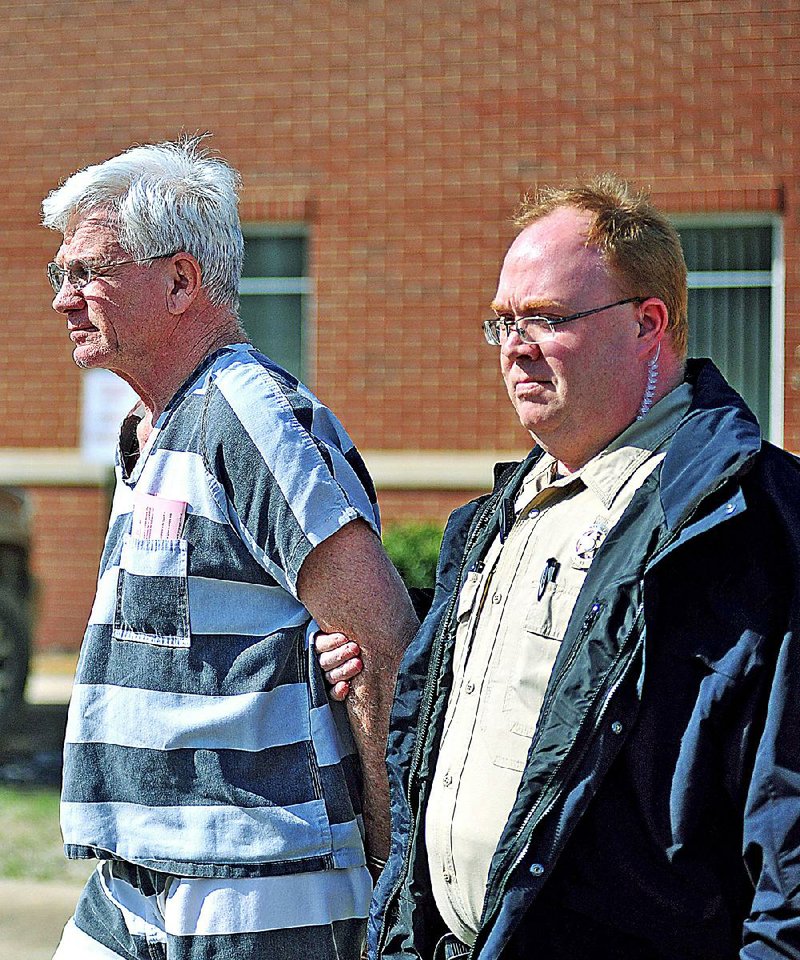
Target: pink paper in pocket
156, 518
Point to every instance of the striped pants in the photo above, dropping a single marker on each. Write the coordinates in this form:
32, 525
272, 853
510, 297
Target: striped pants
139, 914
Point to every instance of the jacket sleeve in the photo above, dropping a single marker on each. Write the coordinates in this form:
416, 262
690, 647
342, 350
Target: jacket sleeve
771, 841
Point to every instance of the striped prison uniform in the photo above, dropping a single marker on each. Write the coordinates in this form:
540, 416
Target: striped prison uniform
200, 740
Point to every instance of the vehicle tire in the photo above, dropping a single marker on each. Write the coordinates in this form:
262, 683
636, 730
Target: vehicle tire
14, 657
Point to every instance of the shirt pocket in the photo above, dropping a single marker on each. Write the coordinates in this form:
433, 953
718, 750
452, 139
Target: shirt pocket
468, 599
520, 673
152, 600
549, 616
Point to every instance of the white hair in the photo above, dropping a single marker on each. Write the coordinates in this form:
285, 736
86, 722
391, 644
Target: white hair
166, 198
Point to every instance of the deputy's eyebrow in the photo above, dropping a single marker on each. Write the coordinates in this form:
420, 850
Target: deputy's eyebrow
544, 307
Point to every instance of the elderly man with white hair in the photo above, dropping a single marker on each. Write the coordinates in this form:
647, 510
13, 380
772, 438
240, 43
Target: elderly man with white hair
204, 766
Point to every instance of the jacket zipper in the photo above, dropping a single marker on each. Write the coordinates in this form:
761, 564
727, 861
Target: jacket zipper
609, 696
480, 525
586, 626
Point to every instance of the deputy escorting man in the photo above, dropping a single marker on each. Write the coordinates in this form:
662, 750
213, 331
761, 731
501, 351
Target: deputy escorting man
204, 767
595, 746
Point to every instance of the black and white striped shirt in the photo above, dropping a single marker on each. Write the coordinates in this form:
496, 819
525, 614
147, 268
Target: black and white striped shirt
200, 739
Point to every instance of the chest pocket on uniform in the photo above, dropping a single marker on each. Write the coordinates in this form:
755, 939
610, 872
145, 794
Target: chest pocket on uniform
522, 666
549, 616
152, 601
465, 614
466, 611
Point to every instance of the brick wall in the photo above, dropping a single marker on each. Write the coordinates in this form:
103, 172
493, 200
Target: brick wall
68, 529
403, 132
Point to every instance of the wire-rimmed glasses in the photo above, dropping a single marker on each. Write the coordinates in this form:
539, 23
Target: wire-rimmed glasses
538, 329
79, 273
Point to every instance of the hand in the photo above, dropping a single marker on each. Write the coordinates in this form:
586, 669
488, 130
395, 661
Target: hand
340, 659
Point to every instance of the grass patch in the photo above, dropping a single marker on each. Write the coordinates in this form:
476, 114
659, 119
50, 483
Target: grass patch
31, 847
413, 547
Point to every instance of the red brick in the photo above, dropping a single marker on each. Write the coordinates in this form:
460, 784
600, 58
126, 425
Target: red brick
403, 135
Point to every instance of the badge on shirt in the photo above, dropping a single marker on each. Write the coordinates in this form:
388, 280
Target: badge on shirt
588, 544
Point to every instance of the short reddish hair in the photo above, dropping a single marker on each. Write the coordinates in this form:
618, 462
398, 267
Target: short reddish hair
639, 244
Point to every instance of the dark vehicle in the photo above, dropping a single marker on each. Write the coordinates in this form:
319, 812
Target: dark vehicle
15, 602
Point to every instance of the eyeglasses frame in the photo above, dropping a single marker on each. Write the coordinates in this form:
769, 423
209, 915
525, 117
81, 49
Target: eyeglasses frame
59, 274
550, 321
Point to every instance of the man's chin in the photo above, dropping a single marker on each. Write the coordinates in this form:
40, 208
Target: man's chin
534, 409
539, 419
88, 359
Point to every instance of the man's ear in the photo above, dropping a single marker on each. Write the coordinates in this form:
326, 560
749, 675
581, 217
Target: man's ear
184, 281
653, 321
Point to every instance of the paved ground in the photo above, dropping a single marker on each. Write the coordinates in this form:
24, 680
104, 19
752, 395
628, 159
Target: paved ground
32, 915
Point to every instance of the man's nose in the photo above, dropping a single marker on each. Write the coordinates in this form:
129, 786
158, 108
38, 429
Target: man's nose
514, 346
67, 298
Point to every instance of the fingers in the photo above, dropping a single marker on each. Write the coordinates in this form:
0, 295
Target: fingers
325, 642
346, 671
332, 655
340, 660
339, 691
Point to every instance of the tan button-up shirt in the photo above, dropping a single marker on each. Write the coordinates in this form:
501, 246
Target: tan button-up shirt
511, 618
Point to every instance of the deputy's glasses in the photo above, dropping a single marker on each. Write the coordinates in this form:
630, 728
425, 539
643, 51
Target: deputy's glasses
79, 273
538, 329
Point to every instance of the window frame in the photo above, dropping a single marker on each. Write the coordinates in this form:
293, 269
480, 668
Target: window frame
270, 286
775, 278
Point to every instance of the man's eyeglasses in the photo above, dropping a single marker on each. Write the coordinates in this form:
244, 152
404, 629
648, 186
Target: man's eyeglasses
79, 273
538, 329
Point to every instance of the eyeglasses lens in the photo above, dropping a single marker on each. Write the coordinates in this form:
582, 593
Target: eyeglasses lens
529, 330
535, 330
78, 275
55, 275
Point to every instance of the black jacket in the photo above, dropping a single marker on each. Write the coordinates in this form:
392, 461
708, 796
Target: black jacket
658, 816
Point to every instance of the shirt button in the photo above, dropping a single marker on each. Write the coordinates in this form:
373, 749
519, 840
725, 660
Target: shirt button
537, 869
470, 687
497, 597
447, 878
447, 779
616, 727
535, 512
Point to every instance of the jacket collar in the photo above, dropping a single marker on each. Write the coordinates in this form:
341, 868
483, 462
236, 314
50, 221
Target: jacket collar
716, 441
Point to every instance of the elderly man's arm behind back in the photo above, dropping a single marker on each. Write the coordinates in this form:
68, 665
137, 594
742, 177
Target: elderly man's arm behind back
306, 511
349, 585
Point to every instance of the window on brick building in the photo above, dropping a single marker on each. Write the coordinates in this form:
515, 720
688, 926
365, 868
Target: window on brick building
736, 307
273, 293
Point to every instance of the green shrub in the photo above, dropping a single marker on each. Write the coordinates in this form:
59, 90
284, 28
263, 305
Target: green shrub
414, 549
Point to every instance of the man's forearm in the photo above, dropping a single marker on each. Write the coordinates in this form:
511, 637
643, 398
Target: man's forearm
349, 585
368, 705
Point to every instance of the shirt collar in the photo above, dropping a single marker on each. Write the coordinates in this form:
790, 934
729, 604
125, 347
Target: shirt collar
608, 472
